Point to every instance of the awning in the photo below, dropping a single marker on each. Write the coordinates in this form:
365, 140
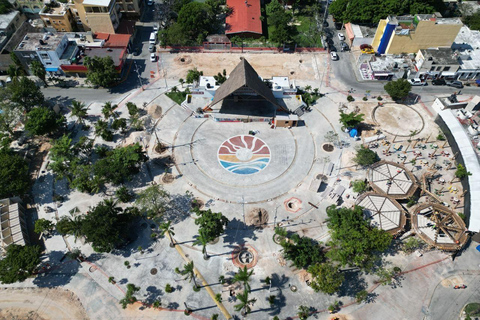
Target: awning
382, 74
51, 69
447, 74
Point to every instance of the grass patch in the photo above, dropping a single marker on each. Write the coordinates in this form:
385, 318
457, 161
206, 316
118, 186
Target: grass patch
473, 309
178, 96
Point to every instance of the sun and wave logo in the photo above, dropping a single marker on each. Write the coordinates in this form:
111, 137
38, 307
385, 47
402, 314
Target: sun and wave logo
244, 154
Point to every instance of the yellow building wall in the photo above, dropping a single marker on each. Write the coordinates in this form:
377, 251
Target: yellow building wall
62, 22
379, 33
82, 14
427, 35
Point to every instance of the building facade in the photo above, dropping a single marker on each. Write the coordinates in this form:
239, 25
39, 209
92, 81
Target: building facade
9, 23
12, 222
58, 17
438, 62
408, 34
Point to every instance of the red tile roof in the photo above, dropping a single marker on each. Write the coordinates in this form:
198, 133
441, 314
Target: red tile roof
113, 40
245, 17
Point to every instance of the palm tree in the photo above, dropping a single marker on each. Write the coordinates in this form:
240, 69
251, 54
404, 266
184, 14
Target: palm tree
101, 128
202, 240
189, 273
108, 110
243, 276
166, 228
79, 110
244, 304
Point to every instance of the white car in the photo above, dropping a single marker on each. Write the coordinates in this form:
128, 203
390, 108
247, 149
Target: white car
334, 55
153, 57
416, 82
155, 27
341, 37
150, 3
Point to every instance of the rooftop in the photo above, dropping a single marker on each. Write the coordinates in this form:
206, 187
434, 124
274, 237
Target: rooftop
383, 212
6, 19
440, 55
245, 17
391, 179
61, 9
467, 44
113, 40
45, 41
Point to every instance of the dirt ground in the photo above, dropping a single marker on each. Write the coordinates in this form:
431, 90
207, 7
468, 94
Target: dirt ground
40, 304
295, 66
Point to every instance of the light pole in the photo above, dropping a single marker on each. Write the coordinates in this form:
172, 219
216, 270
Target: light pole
138, 74
243, 213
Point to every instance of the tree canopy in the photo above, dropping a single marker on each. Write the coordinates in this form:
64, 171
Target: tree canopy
353, 241
371, 11
398, 89
365, 156
5, 6
302, 251
19, 263
212, 223
101, 71
351, 120
473, 21
42, 121
153, 201
279, 21
38, 69
25, 93
326, 277
14, 173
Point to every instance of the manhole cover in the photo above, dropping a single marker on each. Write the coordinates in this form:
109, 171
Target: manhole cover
328, 147
153, 271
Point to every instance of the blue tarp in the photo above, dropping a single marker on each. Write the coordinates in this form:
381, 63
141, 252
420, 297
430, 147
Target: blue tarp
51, 69
478, 248
353, 133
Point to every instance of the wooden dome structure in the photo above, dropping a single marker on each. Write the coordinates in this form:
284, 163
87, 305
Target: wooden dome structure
392, 179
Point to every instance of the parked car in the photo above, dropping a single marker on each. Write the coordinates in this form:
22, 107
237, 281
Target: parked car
150, 3
366, 48
153, 38
151, 48
8, 80
155, 27
341, 37
455, 84
439, 82
416, 82
334, 55
153, 57
344, 46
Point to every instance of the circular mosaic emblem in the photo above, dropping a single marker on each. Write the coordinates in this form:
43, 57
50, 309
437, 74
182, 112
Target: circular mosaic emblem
244, 154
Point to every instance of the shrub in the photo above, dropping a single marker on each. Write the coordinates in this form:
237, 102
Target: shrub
379, 98
218, 297
215, 317
463, 216
461, 172
197, 289
440, 137
364, 98
123, 194
361, 296
359, 186
168, 288
111, 280
127, 264
411, 244
350, 98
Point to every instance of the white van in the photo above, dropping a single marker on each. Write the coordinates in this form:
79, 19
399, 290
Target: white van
416, 82
153, 38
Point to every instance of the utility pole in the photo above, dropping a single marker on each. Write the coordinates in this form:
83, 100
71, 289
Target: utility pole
243, 213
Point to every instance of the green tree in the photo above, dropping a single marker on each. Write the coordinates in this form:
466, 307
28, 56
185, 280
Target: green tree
220, 77
154, 201
461, 172
302, 251
473, 21
120, 124
167, 229
282, 30
108, 110
303, 312
359, 186
79, 110
193, 75
326, 277
353, 241
132, 108
5, 6
195, 20
243, 276
10, 116
44, 225
15, 59
351, 120
189, 273
212, 223
26, 94
101, 71
105, 226
42, 121
14, 172
123, 194
361, 296
365, 156
102, 130
15, 72
67, 225
19, 263
202, 240
398, 89
244, 303
385, 276
129, 295
38, 70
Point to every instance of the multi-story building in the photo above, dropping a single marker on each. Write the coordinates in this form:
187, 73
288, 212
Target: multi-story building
12, 222
9, 23
408, 34
104, 15
59, 17
51, 49
435, 62
31, 8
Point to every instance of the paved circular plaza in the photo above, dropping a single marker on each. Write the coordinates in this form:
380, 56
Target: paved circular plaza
398, 119
224, 161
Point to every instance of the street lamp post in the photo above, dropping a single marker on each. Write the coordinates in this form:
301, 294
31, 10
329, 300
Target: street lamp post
138, 74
